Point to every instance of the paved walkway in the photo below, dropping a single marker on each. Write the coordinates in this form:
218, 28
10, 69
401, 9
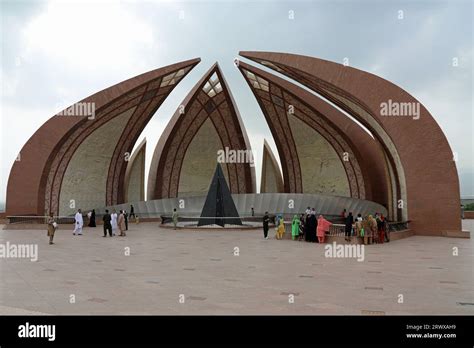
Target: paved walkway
164, 264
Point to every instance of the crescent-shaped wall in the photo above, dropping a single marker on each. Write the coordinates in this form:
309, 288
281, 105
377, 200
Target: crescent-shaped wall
186, 154
297, 134
420, 157
333, 139
324, 152
90, 147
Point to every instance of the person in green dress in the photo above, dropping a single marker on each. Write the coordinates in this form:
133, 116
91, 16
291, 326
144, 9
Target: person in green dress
295, 227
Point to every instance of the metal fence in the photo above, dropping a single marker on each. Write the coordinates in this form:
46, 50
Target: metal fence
398, 226
337, 230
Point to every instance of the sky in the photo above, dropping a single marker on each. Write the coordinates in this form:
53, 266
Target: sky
55, 53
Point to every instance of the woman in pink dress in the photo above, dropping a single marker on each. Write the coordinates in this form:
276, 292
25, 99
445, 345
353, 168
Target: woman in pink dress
323, 226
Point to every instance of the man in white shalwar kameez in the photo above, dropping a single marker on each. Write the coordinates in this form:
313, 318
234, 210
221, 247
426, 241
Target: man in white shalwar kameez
78, 223
114, 223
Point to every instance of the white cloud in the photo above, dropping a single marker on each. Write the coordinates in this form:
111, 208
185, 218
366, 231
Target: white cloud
87, 35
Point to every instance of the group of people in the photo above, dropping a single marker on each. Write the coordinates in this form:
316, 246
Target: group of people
371, 229
311, 229
111, 222
306, 227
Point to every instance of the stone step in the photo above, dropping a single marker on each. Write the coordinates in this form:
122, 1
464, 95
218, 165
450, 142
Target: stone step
401, 234
457, 234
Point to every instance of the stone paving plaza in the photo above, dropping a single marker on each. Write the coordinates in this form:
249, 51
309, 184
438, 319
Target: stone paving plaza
163, 264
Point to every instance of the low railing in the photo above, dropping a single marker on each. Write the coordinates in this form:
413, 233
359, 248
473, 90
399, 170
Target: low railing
337, 230
166, 219
39, 219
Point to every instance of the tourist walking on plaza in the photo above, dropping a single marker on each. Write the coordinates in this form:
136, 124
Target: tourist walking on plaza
132, 212
372, 229
114, 222
381, 228
78, 223
121, 224
323, 226
314, 226
125, 215
358, 226
301, 229
92, 218
295, 227
310, 228
52, 225
107, 223
365, 232
266, 220
307, 213
280, 230
174, 217
348, 228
